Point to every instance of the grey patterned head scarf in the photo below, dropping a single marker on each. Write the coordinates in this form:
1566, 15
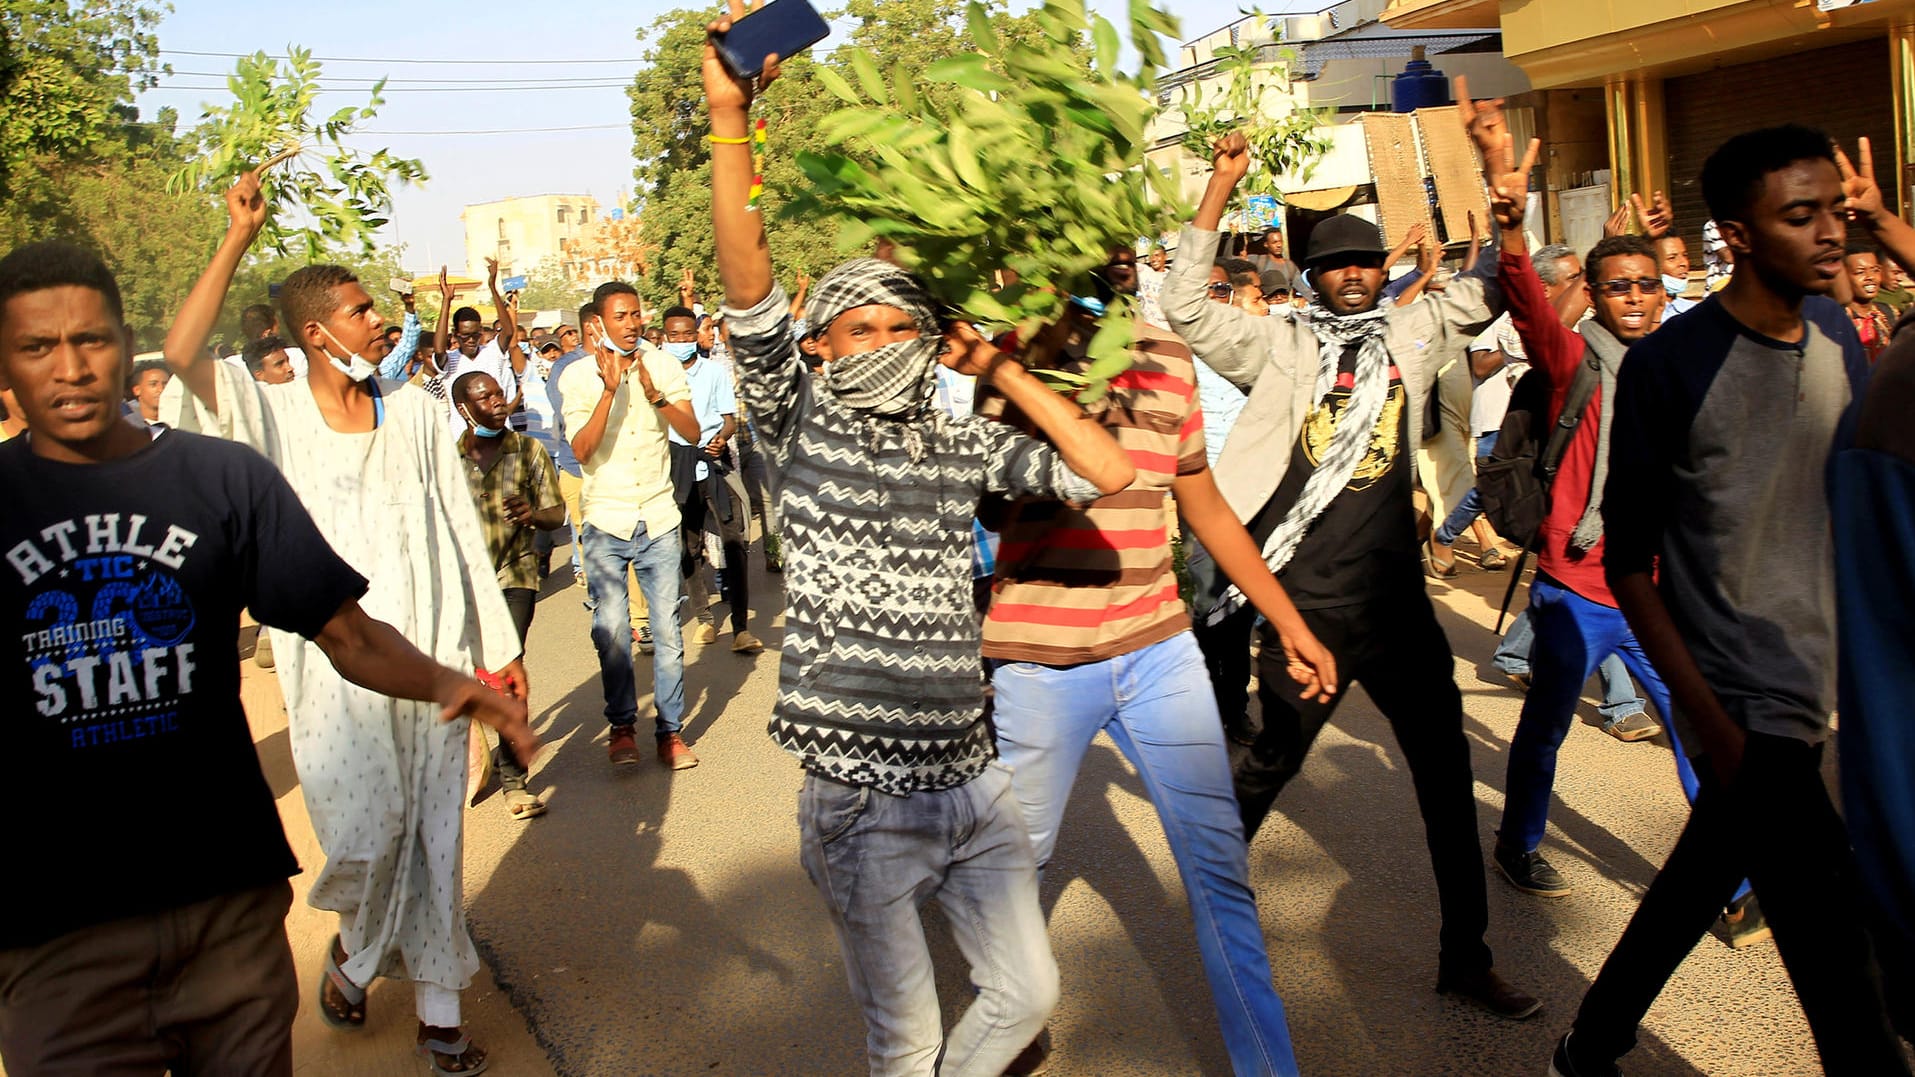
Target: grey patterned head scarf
898, 380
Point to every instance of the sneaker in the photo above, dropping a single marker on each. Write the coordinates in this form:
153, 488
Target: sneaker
1034, 1059
1744, 923
705, 634
263, 649
1492, 993
643, 635
623, 746
1632, 727
1520, 680
673, 754
1562, 1065
746, 643
1529, 872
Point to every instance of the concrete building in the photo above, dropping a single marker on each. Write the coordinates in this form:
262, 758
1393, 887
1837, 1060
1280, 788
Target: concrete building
523, 232
1337, 63
1636, 94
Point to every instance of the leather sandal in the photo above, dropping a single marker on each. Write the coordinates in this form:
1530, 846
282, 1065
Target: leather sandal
453, 1058
352, 1015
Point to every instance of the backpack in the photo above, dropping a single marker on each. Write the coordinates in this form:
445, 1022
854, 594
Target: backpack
1514, 481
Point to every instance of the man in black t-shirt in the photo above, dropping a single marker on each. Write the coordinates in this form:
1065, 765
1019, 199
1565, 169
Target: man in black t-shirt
143, 928
1320, 466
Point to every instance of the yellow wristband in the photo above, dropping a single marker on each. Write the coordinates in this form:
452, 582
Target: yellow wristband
728, 141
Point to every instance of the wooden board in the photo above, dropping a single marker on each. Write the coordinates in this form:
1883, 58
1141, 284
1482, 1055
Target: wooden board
1396, 164
1450, 159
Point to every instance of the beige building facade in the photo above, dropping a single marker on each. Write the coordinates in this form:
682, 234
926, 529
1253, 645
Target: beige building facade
523, 232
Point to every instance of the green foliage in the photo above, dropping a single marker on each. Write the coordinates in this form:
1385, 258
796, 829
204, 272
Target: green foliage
669, 125
1025, 157
548, 288
1279, 144
68, 72
254, 280
327, 195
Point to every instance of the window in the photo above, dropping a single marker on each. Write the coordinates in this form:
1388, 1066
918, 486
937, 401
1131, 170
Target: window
501, 229
562, 210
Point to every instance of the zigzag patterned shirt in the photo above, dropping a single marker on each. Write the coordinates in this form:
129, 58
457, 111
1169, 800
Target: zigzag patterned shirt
881, 683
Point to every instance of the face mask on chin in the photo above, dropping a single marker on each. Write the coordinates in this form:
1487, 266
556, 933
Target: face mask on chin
355, 366
605, 338
1675, 286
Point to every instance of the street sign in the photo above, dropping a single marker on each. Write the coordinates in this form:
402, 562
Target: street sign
513, 284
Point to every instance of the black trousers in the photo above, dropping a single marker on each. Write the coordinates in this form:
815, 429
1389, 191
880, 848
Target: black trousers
1775, 825
1396, 650
523, 602
1226, 648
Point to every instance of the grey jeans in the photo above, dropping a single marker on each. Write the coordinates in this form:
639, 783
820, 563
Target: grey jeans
877, 858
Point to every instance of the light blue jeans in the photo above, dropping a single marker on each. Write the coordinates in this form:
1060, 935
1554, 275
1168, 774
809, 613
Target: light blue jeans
1157, 704
1619, 698
877, 858
655, 562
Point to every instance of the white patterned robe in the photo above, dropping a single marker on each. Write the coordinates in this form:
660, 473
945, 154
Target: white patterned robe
384, 779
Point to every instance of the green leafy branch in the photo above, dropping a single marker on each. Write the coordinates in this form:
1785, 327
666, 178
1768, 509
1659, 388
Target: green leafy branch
326, 195
1279, 144
1033, 164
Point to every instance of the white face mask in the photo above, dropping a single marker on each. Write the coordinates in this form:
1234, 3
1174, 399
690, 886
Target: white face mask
355, 367
605, 338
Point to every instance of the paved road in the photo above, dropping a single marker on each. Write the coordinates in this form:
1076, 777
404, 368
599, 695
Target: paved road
658, 923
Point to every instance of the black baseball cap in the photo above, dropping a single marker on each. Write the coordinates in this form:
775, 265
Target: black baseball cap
1345, 234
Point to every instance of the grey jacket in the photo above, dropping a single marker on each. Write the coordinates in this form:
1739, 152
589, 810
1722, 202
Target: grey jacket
1274, 359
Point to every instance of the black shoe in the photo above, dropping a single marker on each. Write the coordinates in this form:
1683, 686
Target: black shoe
1529, 872
1562, 1065
1492, 993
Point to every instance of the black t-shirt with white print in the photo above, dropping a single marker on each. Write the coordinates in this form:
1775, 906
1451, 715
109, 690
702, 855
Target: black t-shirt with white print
130, 757
1363, 545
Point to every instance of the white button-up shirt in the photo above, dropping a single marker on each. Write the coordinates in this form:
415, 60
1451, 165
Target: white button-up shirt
628, 480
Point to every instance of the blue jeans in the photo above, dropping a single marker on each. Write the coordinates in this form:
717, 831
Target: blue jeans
1572, 632
877, 858
1619, 698
1468, 509
655, 562
1157, 705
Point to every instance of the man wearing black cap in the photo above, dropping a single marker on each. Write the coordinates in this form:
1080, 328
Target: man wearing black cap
1337, 392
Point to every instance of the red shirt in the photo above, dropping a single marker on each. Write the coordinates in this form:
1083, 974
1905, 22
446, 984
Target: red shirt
1557, 350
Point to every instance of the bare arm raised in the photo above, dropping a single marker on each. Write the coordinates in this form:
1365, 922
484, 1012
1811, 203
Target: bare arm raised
185, 346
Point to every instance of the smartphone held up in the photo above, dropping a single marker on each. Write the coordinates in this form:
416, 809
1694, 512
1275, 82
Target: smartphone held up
782, 28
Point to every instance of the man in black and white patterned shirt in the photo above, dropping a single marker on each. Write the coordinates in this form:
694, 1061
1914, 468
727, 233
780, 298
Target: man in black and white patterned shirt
881, 691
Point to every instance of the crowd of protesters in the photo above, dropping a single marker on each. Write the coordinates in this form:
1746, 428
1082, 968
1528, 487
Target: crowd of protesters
979, 576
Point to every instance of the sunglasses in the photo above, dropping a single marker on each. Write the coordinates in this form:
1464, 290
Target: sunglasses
1221, 290
1278, 296
1622, 286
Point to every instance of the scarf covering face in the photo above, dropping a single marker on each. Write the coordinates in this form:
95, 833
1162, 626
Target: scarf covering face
1609, 352
898, 380
1335, 333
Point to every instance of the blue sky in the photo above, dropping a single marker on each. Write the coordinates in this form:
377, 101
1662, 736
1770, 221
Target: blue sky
470, 168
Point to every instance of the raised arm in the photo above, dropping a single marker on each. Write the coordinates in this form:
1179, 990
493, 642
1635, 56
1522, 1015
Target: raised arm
744, 260
1087, 448
185, 347
798, 297
1232, 342
1865, 208
508, 314
442, 333
393, 366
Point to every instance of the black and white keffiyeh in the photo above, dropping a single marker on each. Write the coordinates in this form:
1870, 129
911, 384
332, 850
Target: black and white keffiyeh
897, 380
1335, 333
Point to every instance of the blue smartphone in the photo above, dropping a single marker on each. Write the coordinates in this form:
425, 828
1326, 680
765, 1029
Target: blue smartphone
783, 28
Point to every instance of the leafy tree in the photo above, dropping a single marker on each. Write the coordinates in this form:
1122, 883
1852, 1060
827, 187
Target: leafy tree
326, 195
549, 287
1279, 143
68, 72
669, 127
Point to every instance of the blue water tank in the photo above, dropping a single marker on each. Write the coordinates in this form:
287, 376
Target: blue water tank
1419, 86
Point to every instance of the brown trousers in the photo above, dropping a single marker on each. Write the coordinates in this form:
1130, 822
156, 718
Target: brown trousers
208, 988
